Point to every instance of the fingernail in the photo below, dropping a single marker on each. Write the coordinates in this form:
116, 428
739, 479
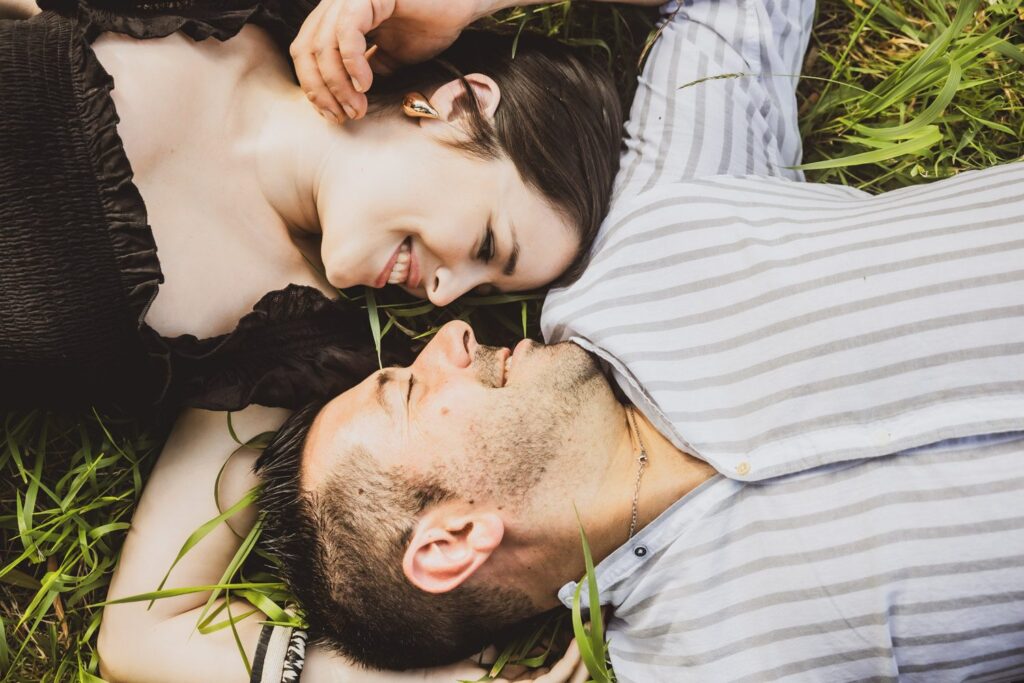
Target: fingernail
350, 111
371, 52
357, 85
329, 115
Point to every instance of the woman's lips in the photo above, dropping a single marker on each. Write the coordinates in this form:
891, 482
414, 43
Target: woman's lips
382, 279
413, 281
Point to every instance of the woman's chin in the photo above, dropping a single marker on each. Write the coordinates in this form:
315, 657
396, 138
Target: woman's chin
345, 282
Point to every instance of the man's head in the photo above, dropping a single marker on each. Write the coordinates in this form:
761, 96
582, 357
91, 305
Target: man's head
409, 511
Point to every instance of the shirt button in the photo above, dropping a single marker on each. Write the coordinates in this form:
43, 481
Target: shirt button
743, 468
640, 551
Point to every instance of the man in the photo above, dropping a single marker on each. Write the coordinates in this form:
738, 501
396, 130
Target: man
435, 506
850, 366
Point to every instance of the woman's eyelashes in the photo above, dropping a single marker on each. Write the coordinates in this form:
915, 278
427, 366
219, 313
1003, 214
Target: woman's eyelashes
486, 251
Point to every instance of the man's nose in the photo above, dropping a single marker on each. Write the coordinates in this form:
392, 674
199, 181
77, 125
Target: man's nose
452, 348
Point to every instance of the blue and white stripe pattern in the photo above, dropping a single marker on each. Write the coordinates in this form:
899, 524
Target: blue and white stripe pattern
837, 357
769, 325
906, 567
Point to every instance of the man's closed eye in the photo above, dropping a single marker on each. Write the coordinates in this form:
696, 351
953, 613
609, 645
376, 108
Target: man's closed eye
408, 394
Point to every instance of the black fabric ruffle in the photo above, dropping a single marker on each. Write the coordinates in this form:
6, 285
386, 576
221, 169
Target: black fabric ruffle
295, 347
198, 19
78, 266
130, 235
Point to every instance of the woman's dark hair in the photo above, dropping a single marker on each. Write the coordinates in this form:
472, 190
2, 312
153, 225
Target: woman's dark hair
559, 120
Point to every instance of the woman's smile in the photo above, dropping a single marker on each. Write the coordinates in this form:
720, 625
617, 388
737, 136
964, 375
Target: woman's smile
401, 269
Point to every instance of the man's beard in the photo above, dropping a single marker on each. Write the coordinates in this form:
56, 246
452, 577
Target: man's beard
532, 428
571, 368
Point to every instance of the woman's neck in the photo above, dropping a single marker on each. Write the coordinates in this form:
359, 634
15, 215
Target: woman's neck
291, 144
296, 151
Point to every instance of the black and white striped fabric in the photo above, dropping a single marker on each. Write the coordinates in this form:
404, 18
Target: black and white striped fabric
907, 567
769, 325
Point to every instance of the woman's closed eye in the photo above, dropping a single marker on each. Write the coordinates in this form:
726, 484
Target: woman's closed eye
486, 251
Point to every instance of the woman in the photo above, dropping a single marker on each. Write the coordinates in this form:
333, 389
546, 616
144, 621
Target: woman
208, 154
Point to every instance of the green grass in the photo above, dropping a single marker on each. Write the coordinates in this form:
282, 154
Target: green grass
922, 91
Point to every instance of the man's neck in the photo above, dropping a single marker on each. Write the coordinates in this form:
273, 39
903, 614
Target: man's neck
670, 474
603, 498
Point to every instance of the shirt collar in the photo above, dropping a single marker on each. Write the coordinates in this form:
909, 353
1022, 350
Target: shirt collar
618, 573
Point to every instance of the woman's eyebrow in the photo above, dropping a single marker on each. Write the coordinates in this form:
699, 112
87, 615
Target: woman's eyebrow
513, 258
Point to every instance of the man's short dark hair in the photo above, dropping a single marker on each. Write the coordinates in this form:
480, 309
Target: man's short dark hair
341, 551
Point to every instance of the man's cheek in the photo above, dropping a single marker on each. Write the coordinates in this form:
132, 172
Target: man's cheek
456, 404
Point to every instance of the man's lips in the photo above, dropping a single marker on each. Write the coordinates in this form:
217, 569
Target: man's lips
521, 348
510, 358
505, 365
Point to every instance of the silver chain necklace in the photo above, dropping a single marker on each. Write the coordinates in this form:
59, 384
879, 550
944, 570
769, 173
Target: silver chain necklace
642, 461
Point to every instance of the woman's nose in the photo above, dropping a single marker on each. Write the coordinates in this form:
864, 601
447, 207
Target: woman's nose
449, 284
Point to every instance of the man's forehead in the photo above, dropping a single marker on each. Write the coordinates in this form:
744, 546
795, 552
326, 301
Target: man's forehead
350, 418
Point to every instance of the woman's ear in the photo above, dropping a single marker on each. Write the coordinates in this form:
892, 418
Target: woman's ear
446, 99
447, 548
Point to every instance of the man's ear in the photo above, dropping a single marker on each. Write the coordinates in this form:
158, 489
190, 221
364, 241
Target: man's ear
446, 98
449, 545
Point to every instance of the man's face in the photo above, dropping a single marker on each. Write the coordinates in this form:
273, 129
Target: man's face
473, 418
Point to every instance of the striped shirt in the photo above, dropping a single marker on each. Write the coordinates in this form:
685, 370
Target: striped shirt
810, 342
768, 325
907, 567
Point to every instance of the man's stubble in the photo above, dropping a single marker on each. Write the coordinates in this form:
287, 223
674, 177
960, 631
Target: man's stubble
538, 425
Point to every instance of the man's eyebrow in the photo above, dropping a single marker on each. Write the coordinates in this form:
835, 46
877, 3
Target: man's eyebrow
382, 381
513, 258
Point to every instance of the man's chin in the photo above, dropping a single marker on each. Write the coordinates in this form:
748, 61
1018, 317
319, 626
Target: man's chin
573, 366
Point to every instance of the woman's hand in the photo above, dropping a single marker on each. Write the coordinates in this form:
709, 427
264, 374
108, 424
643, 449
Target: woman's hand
330, 51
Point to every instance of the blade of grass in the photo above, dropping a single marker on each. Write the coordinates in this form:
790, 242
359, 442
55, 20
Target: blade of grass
202, 532
914, 146
371, 308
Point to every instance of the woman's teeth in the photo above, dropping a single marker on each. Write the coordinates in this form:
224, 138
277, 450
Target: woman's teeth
400, 271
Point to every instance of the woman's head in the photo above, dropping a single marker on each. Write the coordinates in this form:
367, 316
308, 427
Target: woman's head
506, 190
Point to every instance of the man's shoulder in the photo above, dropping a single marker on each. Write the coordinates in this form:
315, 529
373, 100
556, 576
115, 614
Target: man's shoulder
641, 223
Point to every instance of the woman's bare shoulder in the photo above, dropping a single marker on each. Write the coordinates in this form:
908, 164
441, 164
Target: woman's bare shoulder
18, 9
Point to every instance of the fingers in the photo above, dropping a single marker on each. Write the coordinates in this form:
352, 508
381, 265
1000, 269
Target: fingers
337, 83
308, 71
334, 25
581, 674
330, 55
351, 41
564, 670
316, 90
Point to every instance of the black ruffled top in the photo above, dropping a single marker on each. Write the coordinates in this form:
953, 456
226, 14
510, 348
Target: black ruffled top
78, 262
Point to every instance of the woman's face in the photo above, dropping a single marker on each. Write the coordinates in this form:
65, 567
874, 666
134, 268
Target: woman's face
438, 222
